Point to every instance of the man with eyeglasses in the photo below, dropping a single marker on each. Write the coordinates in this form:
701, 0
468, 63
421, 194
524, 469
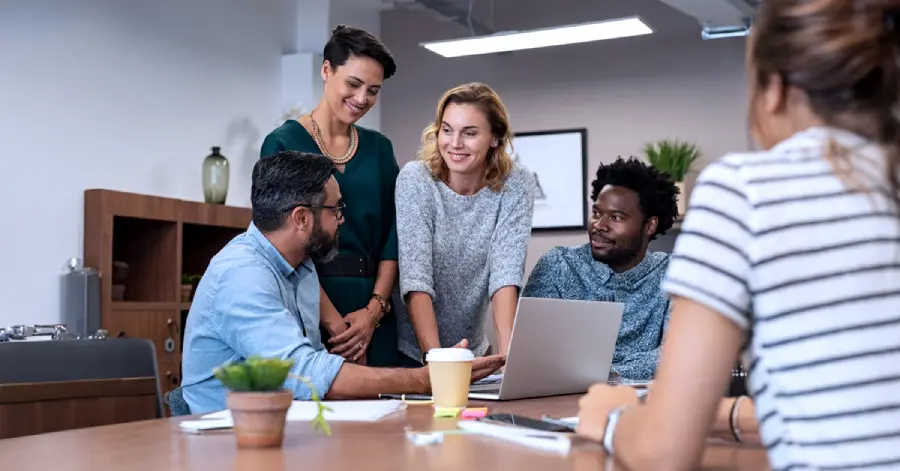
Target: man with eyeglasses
260, 294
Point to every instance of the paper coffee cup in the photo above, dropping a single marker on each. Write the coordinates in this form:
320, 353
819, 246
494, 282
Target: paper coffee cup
450, 372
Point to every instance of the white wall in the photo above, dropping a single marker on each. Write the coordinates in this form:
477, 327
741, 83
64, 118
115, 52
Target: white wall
363, 14
124, 95
625, 92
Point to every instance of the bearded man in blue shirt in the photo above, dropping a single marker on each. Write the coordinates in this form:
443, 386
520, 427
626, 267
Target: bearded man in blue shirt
260, 294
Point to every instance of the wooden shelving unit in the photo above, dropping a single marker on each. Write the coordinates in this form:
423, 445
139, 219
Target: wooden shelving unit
159, 239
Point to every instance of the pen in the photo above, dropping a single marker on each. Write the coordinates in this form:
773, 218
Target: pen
406, 397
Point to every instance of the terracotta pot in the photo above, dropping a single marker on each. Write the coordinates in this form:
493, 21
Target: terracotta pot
186, 293
682, 199
259, 417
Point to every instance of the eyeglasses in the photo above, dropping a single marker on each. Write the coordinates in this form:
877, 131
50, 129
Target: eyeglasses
337, 209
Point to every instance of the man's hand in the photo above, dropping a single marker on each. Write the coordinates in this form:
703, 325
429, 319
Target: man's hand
595, 406
484, 366
352, 343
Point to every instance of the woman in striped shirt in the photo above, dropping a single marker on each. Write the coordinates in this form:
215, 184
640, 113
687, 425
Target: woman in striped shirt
790, 255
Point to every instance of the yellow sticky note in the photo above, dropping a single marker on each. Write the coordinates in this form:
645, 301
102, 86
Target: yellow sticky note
446, 412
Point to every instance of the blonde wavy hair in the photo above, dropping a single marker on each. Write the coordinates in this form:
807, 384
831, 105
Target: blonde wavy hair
499, 162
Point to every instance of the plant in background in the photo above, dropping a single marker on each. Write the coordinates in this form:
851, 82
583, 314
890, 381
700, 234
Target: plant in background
267, 375
295, 111
189, 279
672, 156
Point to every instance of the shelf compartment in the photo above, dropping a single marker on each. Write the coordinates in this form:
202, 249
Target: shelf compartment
150, 249
200, 243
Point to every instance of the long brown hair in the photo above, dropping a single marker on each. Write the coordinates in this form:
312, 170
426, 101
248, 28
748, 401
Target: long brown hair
499, 163
845, 55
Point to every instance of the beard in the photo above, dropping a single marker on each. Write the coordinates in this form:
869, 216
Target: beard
621, 253
322, 247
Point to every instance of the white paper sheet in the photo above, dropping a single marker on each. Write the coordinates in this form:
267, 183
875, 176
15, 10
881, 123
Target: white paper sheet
549, 441
342, 411
492, 379
197, 426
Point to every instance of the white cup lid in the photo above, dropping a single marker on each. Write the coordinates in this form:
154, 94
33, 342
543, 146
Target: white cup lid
449, 354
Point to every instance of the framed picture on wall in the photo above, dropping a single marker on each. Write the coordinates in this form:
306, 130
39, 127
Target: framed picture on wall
558, 160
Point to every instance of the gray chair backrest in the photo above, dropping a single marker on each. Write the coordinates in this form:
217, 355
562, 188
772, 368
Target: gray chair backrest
78, 360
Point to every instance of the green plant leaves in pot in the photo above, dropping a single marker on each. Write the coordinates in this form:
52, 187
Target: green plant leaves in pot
672, 156
255, 374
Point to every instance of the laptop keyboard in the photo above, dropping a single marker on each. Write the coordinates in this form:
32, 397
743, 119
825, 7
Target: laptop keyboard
485, 388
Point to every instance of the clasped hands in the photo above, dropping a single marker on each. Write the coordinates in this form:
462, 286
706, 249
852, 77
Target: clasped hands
351, 338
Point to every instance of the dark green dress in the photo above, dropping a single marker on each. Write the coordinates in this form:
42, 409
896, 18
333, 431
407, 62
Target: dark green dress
369, 228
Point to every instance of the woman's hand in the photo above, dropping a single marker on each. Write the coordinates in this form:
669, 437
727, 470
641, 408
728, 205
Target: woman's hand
352, 343
595, 406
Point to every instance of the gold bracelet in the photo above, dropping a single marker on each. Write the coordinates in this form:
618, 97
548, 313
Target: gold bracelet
375, 317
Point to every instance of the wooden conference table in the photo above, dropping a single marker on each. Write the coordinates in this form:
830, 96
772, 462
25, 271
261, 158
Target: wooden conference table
158, 445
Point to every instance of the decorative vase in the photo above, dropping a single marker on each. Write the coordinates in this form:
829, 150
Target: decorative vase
682, 200
259, 417
215, 177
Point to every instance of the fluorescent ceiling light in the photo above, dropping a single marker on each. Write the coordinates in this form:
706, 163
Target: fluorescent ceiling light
512, 41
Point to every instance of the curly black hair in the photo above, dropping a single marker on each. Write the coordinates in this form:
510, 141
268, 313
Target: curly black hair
657, 192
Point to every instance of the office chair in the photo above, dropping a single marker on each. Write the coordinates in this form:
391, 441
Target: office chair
79, 360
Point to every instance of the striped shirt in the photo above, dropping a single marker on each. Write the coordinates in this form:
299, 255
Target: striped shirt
809, 264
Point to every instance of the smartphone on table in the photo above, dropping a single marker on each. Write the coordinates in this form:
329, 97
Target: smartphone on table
527, 422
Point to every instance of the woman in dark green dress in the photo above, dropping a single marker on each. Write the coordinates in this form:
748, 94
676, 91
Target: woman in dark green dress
356, 312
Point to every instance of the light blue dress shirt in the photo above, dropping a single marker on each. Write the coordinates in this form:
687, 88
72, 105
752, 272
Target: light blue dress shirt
249, 302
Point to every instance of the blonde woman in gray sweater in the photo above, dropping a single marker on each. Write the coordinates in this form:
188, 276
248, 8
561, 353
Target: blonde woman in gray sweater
464, 213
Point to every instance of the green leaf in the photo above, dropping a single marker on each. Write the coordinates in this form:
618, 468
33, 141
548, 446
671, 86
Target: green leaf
673, 157
235, 377
318, 422
255, 374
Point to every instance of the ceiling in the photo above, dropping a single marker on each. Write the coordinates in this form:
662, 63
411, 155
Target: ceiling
504, 15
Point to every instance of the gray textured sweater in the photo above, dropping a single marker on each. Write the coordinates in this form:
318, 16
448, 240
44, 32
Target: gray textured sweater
460, 250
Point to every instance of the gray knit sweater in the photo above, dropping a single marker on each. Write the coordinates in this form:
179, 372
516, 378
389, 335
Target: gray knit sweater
460, 250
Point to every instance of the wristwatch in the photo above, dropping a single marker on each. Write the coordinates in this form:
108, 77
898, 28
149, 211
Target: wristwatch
384, 301
610, 431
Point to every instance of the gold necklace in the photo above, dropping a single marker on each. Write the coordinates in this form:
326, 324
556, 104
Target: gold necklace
351, 150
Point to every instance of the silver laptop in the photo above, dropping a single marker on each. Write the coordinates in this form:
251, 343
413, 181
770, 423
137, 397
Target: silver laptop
557, 347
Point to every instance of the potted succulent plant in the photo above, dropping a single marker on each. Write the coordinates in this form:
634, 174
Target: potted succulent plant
675, 158
259, 402
187, 287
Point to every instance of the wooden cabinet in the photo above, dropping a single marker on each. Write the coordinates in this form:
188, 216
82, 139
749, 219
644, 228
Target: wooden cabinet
159, 240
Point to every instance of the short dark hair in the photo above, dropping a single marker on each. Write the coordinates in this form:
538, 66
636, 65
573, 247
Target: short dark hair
656, 191
284, 181
348, 41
